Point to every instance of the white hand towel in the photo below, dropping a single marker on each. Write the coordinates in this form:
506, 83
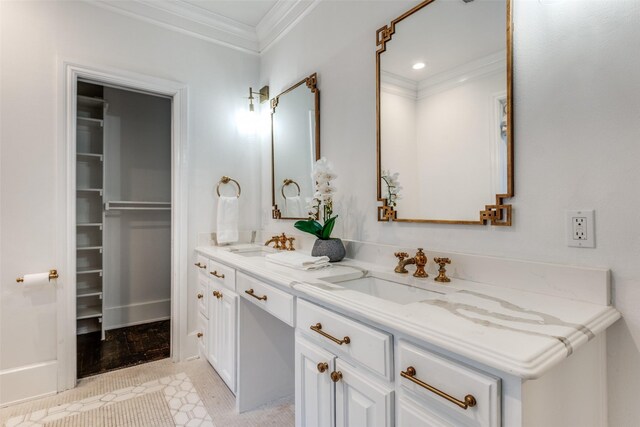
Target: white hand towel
298, 260
227, 230
293, 207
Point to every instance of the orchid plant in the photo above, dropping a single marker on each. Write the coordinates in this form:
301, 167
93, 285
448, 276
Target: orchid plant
393, 187
322, 201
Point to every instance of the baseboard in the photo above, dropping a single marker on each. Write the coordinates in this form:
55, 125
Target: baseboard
136, 314
28, 382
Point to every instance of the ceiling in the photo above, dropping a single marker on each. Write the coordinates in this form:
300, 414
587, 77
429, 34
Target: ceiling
247, 25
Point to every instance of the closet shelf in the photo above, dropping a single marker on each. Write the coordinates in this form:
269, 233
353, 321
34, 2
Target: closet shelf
89, 248
90, 121
89, 312
90, 224
90, 156
88, 101
89, 292
137, 206
86, 326
89, 270
89, 190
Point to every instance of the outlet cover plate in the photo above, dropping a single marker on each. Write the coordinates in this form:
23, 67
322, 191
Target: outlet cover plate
580, 228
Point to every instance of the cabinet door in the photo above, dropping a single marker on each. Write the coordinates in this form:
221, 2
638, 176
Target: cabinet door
314, 388
213, 340
226, 332
361, 400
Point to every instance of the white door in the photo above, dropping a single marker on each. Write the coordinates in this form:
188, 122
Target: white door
226, 333
361, 400
314, 388
213, 339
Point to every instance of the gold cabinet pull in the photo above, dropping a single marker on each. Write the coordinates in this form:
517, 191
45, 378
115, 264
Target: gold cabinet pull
250, 292
322, 367
197, 264
219, 276
199, 334
468, 402
200, 296
336, 376
318, 328
217, 294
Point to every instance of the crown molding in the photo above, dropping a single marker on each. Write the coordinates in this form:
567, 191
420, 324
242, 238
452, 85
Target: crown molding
194, 21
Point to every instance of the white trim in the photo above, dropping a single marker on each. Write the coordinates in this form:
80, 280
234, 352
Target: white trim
136, 314
28, 382
70, 71
195, 21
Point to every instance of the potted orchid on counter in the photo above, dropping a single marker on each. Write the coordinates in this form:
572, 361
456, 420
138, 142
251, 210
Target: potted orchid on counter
321, 207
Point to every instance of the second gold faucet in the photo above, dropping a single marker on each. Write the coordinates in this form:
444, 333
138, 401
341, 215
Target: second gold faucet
420, 260
281, 242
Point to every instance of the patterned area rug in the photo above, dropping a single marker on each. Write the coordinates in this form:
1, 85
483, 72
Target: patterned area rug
218, 401
147, 410
179, 399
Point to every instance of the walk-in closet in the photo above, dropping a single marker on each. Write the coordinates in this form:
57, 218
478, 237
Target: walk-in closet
123, 227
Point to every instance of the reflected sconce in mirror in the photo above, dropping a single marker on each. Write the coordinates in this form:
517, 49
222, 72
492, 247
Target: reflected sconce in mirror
444, 106
264, 96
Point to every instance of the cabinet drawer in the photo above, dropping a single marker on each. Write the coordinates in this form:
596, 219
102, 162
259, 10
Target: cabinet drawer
412, 414
368, 346
201, 265
222, 275
432, 373
276, 302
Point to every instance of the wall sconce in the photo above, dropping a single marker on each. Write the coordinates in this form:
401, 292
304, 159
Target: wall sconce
264, 96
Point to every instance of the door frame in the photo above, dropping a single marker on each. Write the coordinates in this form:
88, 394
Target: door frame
70, 72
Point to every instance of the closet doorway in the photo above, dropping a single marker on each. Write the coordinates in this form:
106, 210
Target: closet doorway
123, 227
121, 303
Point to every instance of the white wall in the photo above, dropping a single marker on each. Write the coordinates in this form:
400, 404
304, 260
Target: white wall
576, 106
34, 37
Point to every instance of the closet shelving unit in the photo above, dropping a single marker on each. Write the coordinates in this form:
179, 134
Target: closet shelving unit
89, 211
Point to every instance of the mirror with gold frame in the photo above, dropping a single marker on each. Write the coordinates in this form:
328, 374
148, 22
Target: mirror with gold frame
295, 146
444, 110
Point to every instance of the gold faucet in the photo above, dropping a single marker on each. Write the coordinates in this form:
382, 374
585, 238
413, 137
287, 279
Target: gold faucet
281, 242
420, 260
403, 261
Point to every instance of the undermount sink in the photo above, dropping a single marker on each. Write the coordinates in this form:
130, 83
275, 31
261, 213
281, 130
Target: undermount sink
397, 292
258, 251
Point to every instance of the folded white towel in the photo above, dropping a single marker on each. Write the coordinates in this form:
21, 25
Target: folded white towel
293, 207
227, 229
298, 260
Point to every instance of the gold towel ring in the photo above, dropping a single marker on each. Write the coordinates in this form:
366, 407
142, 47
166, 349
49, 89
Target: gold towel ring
288, 181
226, 180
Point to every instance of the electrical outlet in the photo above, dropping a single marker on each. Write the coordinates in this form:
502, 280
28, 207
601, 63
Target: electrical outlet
580, 229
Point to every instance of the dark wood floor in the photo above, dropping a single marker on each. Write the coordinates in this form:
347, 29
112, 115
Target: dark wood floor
123, 347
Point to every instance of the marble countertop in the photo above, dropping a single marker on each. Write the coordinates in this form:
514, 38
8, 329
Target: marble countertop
517, 332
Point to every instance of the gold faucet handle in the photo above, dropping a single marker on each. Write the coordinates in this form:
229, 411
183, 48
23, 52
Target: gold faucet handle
290, 240
401, 255
421, 261
442, 271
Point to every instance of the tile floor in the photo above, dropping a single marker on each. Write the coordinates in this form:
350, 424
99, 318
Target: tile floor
123, 347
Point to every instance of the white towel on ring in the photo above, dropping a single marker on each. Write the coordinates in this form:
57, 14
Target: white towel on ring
227, 228
293, 207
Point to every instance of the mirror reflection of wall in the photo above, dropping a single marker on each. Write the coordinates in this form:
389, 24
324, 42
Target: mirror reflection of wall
443, 98
296, 147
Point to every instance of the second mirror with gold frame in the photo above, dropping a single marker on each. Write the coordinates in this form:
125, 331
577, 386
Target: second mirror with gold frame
295, 146
444, 113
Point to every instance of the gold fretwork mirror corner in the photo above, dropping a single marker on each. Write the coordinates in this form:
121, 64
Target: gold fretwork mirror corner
295, 146
443, 179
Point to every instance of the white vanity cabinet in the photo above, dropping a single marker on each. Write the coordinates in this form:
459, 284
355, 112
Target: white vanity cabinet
223, 309
331, 390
